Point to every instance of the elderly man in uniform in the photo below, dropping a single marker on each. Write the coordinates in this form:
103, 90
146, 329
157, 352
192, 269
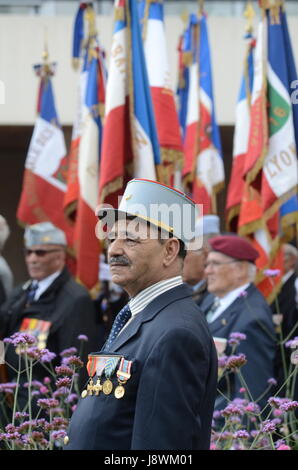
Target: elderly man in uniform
51, 305
235, 305
194, 265
153, 385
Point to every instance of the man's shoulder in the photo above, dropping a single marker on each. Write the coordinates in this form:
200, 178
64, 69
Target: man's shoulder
75, 289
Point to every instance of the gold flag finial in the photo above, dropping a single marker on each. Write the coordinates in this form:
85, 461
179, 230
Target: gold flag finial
249, 14
45, 52
201, 7
184, 17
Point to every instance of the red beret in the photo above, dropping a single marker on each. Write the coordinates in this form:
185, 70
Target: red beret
234, 246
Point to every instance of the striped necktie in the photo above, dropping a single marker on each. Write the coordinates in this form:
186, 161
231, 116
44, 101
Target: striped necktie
31, 292
121, 319
212, 310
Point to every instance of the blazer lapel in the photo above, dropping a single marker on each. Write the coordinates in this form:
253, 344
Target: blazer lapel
149, 312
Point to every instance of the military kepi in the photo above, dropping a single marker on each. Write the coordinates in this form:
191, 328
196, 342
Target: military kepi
44, 233
160, 205
235, 247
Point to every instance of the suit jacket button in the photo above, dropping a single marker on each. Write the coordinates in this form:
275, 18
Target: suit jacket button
66, 440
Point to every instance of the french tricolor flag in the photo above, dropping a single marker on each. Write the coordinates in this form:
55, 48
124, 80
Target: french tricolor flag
241, 137
86, 245
130, 145
44, 182
203, 167
167, 122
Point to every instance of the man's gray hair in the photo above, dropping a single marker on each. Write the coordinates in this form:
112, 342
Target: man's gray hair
4, 232
251, 272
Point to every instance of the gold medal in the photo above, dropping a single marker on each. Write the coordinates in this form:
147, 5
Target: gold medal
107, 387
119, 391
84, 393
97, 387
90, 387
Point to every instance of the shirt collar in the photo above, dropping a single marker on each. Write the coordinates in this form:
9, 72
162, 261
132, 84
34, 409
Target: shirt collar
143, 298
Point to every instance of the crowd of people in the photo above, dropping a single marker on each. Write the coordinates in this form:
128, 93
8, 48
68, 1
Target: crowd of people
171, 301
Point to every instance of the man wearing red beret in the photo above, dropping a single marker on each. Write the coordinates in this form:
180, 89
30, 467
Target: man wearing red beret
236, 305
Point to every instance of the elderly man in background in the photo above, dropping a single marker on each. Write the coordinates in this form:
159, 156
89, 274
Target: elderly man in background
50, 305
6, 276
236, 305
286, 305
194, 264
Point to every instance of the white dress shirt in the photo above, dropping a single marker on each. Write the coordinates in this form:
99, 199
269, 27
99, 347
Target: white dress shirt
226, 301
143, 298
44, 284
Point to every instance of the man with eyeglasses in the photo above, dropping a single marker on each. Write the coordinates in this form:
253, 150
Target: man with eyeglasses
51, 305
236, 305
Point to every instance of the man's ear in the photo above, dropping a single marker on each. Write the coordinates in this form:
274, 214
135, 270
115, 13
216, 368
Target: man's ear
171, 250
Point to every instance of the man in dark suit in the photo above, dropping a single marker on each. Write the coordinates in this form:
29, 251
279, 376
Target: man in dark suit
194, 265
153, 385
286, 305
51, 305
235, 305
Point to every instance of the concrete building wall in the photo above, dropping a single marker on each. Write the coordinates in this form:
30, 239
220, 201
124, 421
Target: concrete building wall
21, 46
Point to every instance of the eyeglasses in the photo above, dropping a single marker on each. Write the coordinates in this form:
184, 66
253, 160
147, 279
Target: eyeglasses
40, 253
215, 264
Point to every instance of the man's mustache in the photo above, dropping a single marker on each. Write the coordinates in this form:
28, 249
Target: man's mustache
119, 260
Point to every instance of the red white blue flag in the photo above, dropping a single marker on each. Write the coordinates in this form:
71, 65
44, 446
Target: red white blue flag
130, 146
241, 139
44, 182
203, 165
169, 136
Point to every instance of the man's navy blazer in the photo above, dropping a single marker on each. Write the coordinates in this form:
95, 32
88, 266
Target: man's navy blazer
252, 316
169, 398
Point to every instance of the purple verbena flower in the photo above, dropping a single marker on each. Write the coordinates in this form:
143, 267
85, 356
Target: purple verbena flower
8, 387
21, 339
83, 338
271, 272
289, 406
235, 338
47, 403
63, 370
271, 381
68, 352
20, 415
63, 382
241, 434
71, 398
47, 356
34, 384
252, 408
37, 436
73, 361
293, 343
61, 392
59, 423
231, 409
222, 361
235, 362
275, 402
268, 426
55, 435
